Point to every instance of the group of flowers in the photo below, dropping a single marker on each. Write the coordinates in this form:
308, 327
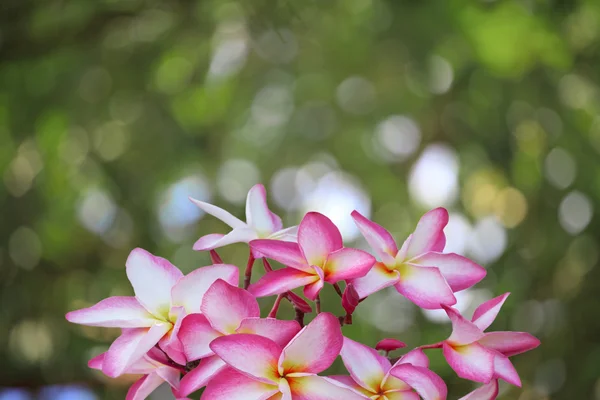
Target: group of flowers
202, 331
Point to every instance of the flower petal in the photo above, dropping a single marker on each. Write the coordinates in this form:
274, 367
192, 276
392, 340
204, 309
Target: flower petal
312, 290
402, 395
429, 233
313, 387
225, 306
279, 331
169, 375
473, 361
428, 384
378, 238
195, 334
504, 369
219, 213
287, 253
488, 391
130, 347
365, 365
460, 272
317, 237
170, 342
486, 313
415, 357
463, 331
190, 290
314, 348
142, 388
346, 264
287, 235
253, 355
229, 384
216, 240
114, 312
350, 299
299, 302
152, 279
379, 277
280, 281
201, 375
258, 215
424, 286
510, 343
96, 362
347, 381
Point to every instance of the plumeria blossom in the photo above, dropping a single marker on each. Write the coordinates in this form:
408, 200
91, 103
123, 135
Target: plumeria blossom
420, 270
260, 223
156, 370
261, 369
480, 356
318, 257
226, 310
163, 296
377, 379
488, 391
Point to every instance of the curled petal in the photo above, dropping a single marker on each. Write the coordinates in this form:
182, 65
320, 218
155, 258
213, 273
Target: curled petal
425, 286
460, 272
347, 263
510, 343
389, 344
96, 362
195, 335
429, 233
287, 235
225, 306
488, 391
378, 238
142, 388
230, 384
258, 214
429, 385
314, 348
130, 347
317, 237
219, 213
313, 387
486, 313
350, 299
504, 369
379, 277
463, 331
279, 331
281, 281
287, 253
299, 302
216, 240
201, 375
152, 279
190, 290
415, 357
114, 312
170, 342
253, 355
365, 365
473, 361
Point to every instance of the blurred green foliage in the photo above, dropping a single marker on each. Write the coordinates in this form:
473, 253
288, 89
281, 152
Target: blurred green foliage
112, 111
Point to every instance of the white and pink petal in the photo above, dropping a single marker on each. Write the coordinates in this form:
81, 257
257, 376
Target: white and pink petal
424, 286
113, 312
318, 237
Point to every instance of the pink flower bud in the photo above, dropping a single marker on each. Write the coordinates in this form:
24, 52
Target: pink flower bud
390, 344
350, 299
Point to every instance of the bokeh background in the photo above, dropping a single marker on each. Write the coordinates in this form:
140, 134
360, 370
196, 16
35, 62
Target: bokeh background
112, 112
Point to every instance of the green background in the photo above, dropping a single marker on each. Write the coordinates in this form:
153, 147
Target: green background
112, 112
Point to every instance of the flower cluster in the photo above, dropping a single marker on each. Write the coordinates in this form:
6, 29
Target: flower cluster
203, 331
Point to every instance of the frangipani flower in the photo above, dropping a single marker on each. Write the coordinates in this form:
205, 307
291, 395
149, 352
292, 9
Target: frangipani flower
488, 391
377, 379
260, 223
154, 366
225, 310
480, 356
261, 369
419, 270
318, 257
163, 296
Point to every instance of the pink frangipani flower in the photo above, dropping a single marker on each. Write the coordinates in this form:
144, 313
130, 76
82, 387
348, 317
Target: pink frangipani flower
419, 270
226, 310
261, 369
480, 356
260, 223
489, 391
163, 296
318, 257
377, 379
154, 366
